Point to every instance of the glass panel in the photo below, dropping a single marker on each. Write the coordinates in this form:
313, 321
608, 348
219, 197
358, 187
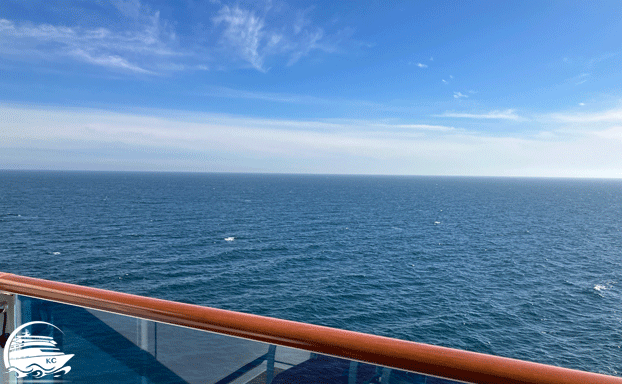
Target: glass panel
56, 343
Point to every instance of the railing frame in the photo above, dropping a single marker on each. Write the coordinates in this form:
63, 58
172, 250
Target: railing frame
393, 353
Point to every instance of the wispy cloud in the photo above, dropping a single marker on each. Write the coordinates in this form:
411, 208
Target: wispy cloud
420, 65
580, 79
134, 38
129, 8
301, 21
249, 36
589, 63
98, 46
508, 114
589, 68
458, 95
310, 41
244, 31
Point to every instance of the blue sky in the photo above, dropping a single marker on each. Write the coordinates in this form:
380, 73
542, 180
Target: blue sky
415, 88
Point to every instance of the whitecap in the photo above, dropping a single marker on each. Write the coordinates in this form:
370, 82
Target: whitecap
55, 253
229, 238
437, 222
600, 287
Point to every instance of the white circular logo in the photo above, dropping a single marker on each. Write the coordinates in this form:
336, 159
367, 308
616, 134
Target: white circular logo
30, 351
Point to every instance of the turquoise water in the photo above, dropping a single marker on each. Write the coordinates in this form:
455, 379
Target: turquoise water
524, 268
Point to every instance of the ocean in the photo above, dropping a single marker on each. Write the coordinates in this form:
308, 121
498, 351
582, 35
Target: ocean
516, 267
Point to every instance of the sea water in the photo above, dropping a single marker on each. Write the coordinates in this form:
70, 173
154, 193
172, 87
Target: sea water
523, 268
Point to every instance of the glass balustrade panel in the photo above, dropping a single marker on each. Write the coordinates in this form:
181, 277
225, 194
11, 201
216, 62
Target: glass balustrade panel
51, 342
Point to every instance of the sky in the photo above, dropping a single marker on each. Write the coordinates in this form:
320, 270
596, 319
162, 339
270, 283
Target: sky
466, 88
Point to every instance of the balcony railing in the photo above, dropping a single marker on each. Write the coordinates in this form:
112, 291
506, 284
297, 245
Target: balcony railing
118, 337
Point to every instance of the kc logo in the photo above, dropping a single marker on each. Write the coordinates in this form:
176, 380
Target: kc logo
31, 351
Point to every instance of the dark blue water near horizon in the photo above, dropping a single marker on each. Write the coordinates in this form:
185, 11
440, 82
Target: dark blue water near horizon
524, 268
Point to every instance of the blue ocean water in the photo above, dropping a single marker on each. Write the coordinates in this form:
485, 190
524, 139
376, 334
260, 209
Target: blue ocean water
524, 268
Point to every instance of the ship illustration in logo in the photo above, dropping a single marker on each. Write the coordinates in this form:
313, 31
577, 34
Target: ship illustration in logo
29, 354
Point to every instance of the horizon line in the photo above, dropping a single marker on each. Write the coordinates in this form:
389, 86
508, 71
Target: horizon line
302, 174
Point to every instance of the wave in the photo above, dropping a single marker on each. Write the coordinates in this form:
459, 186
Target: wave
38, 371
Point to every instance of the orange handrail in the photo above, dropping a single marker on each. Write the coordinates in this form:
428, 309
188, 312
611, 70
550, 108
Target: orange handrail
417, 357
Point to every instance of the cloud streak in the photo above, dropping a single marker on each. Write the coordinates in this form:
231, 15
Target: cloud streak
111, 61
508, 114
226, 92
296, 146
610, 116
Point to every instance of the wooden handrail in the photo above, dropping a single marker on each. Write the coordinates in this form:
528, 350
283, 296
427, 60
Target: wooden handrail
417, 357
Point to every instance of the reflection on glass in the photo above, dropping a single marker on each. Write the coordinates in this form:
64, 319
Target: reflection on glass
67, 343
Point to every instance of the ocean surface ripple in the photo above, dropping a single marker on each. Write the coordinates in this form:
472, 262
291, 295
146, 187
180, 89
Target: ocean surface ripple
524, 268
